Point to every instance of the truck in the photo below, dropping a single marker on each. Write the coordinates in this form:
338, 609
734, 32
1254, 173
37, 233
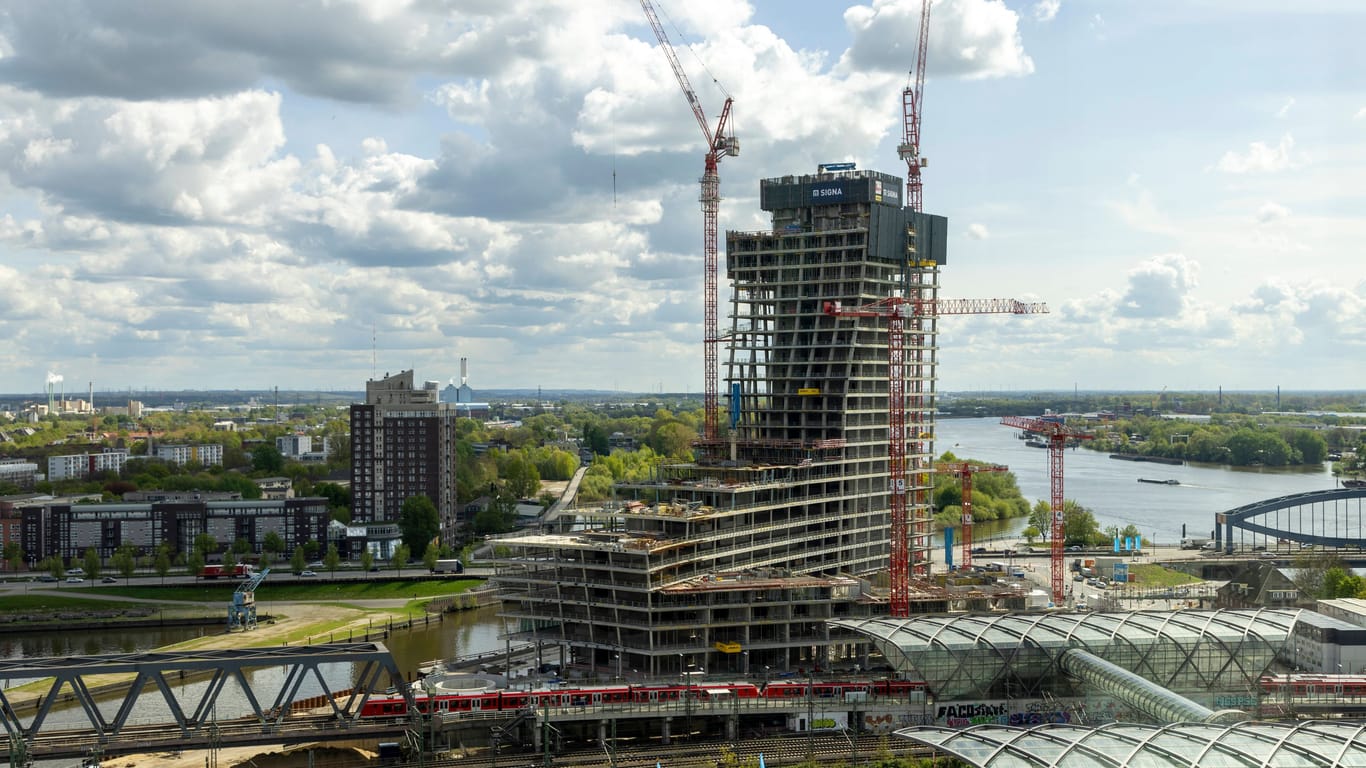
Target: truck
1195, 542
239, 571
452, 565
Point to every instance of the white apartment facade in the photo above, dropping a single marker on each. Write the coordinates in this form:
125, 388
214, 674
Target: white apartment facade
83, 465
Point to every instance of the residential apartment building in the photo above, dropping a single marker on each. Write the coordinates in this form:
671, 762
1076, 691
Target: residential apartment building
68, 530
83, 465
19, 472
204, 455
294, 446
402, 445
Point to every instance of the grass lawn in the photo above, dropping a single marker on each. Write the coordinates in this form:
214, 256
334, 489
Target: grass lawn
295, 591
1147, 575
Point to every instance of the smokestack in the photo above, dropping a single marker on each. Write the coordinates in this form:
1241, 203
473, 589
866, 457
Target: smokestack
92, 397
464, 370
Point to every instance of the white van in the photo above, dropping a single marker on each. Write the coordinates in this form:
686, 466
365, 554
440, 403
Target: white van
1209, 546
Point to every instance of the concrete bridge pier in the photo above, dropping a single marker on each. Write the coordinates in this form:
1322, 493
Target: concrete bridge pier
732, 727
664, 732
602, 734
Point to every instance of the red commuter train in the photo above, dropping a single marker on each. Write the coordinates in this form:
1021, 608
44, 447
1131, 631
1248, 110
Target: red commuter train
395, 706
1314, 685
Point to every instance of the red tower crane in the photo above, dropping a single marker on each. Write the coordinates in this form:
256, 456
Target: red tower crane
1058, 434
965, 470
719, 144
897, 310
912, 102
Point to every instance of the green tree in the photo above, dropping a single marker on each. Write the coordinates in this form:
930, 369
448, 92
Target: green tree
205, 544
500, 516
241, 547
13, 555
400, 557
92, 563
229, 562
1340, 582
367, 559
418, 523
596, 438
267, 458
430, 556
1079, 525
1041, 517
125, 561
55, 566
299, 561
674, 439
520, 476
162, 563
194, 564
332, 559
1030, 533
272, 542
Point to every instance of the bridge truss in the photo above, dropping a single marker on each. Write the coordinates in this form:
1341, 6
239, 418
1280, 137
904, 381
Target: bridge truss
26, 721
1333, 518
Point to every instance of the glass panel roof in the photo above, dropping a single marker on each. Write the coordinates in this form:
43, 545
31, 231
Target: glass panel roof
1243, 745
1250, 636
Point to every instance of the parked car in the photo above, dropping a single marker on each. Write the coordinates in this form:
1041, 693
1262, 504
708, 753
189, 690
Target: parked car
77, 571
74, 580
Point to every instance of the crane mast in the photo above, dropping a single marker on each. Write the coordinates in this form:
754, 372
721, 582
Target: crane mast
719, 144
912, 103
965, 470
897, 310
1058, 434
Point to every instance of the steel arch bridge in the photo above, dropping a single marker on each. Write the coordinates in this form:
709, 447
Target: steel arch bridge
1332, 518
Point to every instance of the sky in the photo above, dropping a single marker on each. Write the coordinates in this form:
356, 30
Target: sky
210, 195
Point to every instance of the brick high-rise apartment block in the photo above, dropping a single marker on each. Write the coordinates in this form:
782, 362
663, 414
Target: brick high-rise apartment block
402, 445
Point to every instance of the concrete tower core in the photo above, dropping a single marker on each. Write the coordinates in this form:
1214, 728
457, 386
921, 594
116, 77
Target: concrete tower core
734, 562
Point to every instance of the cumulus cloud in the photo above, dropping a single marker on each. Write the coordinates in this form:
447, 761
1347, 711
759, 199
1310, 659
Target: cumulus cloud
978, 231
1269, 212
968, 38
1360, 114
1158, 288
259, 181
1259, 157
1047, 10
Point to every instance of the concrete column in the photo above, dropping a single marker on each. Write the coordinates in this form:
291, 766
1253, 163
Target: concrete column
664, 731
732, 727
602, 733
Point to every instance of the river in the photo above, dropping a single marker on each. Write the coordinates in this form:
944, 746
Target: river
1110, 488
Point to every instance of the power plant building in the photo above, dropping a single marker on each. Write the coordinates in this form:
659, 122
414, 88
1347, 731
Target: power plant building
736, 561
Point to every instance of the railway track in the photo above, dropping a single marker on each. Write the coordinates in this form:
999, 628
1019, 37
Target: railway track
777, 750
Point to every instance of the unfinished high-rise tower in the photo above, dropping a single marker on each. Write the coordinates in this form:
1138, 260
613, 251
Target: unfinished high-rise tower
735, 561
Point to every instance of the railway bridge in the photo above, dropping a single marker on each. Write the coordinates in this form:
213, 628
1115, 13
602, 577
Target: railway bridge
106, 691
